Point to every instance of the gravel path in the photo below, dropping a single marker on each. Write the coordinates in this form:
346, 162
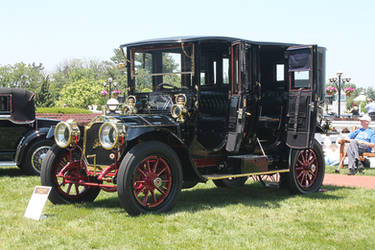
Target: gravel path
349, 180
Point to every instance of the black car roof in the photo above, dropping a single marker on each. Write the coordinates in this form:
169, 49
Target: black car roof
169, 40
22, 109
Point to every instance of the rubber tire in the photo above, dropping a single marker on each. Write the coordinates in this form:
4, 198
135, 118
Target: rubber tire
293, 184
47, 177
27, 161
128, 167
230, 183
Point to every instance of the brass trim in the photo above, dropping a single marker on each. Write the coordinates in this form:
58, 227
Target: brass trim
116, 133
93, 156
70, 134
244, 175
97, 119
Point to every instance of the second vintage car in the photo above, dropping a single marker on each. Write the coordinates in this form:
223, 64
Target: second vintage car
198, 109
23, 141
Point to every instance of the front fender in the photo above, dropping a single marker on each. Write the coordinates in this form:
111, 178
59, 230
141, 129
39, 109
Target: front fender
27, 141
51, 132
170, 138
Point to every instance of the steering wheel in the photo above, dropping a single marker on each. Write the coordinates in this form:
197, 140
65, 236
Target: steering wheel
164, 84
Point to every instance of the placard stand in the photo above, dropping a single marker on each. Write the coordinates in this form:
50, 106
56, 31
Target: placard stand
36, 204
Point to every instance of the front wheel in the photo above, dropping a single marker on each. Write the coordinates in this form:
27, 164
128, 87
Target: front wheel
307, 169
149, 178
67, 188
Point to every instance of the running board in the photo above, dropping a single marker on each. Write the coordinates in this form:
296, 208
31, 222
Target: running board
226, 176
7, 164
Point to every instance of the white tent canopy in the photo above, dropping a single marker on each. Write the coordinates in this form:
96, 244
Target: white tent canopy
360, 98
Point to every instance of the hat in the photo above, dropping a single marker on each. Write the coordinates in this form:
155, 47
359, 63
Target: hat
365, 118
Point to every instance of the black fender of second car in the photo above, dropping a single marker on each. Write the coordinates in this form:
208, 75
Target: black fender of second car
27, 141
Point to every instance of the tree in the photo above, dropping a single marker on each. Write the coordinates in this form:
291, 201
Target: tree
81, 93
43, 97
21, 75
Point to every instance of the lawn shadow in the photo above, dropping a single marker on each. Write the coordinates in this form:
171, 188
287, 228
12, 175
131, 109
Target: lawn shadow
252, 195
11, 172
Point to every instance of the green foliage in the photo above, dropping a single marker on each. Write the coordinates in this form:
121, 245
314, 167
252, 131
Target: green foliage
59, 110
43, 96
81, 93
21, 75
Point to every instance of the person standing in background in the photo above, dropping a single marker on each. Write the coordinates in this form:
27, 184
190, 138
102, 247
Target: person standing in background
354, 110
371, 108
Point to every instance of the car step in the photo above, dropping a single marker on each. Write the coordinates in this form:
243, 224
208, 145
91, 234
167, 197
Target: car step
226, 176
248, 163
8, 164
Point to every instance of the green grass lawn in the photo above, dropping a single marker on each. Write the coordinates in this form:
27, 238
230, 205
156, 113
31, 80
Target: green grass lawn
367, 171
205, 217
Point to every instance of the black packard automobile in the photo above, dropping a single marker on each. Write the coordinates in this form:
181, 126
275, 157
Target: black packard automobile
198, 109
22, 136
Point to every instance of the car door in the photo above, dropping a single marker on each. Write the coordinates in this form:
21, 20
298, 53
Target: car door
302, 106
237, 105
10, 132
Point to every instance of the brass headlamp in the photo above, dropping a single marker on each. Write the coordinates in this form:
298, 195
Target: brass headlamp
179, 109
129, 107
112, 134
67, 133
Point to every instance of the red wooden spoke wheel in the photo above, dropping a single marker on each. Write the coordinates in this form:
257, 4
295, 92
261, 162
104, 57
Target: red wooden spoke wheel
66, 177
149, 178
152, 181
306, 169
68, 184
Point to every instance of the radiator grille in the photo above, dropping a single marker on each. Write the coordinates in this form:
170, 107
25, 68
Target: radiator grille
93, 147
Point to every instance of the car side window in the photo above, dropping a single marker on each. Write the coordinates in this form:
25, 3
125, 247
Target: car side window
5, 104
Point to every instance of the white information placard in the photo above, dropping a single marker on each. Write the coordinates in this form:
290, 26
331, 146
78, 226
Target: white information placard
36, 204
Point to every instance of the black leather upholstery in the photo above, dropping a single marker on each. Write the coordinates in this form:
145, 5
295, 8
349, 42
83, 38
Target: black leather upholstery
214, 103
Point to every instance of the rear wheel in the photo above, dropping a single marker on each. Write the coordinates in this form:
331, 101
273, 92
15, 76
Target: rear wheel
35, 156
307, 170
230, 182
66, 189
149, 178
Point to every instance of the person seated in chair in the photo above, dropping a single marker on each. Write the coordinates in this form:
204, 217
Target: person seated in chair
361, 140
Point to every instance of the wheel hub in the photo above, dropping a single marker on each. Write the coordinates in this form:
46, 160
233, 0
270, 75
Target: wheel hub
157, 182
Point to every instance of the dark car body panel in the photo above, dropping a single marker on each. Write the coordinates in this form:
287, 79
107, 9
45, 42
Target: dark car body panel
19, 127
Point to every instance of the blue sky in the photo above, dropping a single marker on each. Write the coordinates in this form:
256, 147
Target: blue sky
52, 32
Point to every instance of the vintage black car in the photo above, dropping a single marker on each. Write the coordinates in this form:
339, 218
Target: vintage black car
22, 136
198, 109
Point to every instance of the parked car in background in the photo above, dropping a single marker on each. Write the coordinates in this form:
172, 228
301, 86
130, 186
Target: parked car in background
23, 139
198, 109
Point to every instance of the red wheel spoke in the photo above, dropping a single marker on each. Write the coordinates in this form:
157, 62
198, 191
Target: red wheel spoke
140, 190
156, 165
152, 178
153, 196
299, 175
161, 191
145, 198
142, 173
77, 189
69, 187
148, 167
161, 171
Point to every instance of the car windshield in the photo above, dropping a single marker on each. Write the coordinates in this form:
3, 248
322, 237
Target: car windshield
167, 67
